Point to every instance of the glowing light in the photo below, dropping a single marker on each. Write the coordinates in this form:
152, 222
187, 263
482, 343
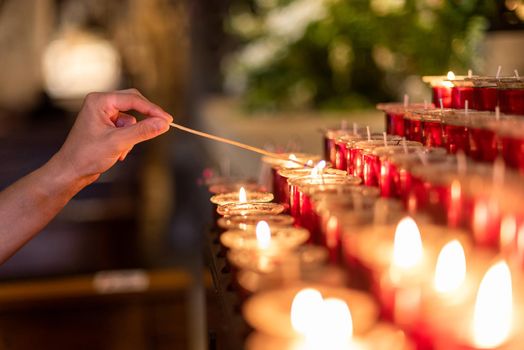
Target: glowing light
306, 308
78, 63
455, 190
242, 196
451, 75
450, 271
338, 323
407, 247
291, 163
263, 235
508, 231
492, 319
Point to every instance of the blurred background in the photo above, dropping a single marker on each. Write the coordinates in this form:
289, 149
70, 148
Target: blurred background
122, 267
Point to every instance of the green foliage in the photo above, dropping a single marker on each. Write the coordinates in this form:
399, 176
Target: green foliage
348, 54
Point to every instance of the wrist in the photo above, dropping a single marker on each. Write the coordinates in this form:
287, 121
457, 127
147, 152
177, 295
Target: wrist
64, 176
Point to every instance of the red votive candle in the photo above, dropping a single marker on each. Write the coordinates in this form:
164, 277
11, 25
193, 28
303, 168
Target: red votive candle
357, 151
461, 92
485, 94
394, 115
413, 125
511, 134
287, 162
441, 88
456, 132
300, 204
372, 160
511, 96
484, 143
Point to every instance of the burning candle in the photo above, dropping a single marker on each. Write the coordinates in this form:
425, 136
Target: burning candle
247, 209
242, 196
280, 238
441, 87
291, 312
488, 324
249, 221
294, 160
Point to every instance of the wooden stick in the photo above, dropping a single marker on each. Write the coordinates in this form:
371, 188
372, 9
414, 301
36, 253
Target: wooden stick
238, 144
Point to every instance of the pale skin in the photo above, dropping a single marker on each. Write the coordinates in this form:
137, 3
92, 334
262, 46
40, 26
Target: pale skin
102, 135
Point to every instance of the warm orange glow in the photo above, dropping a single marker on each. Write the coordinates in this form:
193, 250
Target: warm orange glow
407, 247
291, 163
508, 231
263, 235
306, 308
450, 270
242, 196
451, 75
492, 319
455, 190
337, 322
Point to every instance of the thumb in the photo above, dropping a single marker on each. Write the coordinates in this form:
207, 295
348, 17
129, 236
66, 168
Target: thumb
144, 130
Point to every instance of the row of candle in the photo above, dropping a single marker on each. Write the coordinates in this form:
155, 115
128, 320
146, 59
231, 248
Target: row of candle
366, 237
481, 135
482, 93
296, 300
400, 296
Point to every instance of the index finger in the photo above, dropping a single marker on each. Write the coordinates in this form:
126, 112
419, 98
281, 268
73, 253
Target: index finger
125, 102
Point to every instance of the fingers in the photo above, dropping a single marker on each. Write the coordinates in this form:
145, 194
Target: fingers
133, 100
142, 131
124, 120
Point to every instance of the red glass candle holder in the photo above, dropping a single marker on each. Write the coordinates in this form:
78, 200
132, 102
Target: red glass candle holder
394, 115
456, 133
511, 96
484, 144
295, 179
485, 94
413, 125
461, 92
511, 134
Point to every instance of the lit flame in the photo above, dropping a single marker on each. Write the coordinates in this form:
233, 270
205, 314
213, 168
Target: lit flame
317, 169
407, 247
242, 196
451, 75
263, 235
493, 308
305, 310
337, 322
323, 323
450, 271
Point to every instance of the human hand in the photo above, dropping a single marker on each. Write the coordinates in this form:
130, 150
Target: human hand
103, 133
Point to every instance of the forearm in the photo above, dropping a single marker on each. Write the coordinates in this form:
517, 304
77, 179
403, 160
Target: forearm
33, 201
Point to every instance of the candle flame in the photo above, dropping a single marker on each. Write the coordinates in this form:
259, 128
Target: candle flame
407, 247
492, 319
306, 308
451, 75
337, 321
323, 323
242, 196
291, 163
450, 271
263, 235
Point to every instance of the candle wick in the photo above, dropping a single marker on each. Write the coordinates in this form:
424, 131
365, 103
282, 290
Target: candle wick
385, 139
499, 70
369, 132
405, 145
517, 74
355, 129
441, 105
497, 113
406, 100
